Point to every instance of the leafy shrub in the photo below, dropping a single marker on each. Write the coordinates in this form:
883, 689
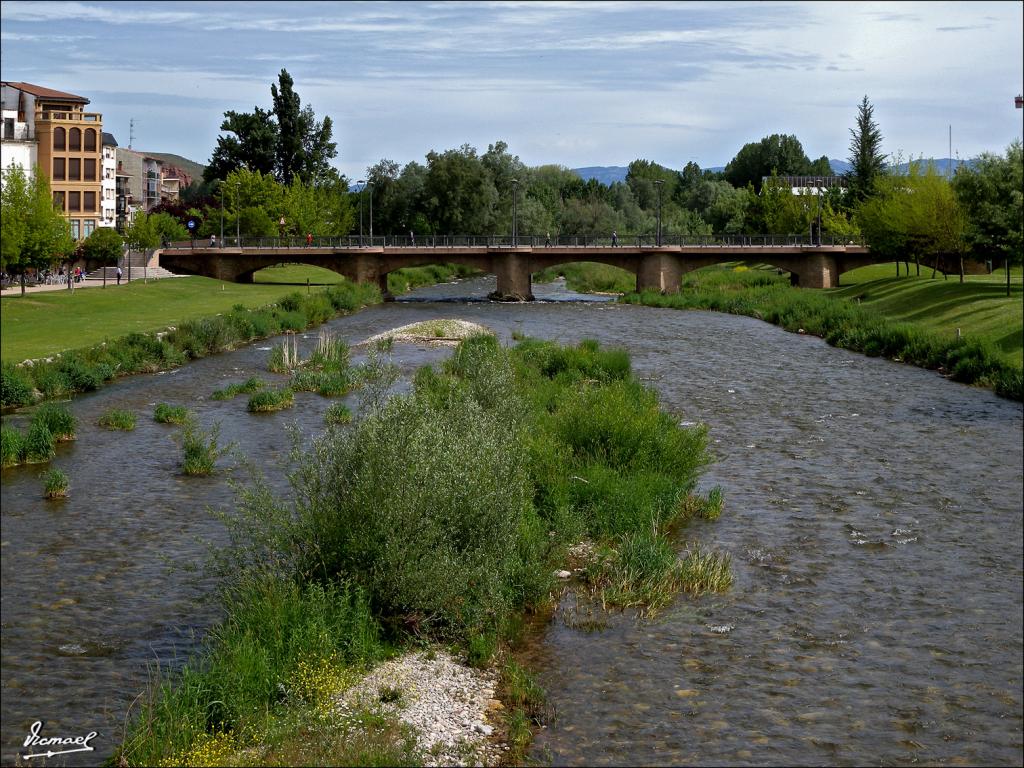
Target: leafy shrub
15, 386
292, 321
338, 414
79, 376
118, 419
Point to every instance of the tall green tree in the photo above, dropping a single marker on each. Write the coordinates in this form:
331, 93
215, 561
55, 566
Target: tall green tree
867, 162
778, 153
286, 141
105, 246
40, 235
991, 191
253, 146
459, 194
916, 216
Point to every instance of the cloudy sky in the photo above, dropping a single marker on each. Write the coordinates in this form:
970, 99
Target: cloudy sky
569, 83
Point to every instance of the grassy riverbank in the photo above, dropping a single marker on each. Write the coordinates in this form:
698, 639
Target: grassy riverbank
43, 324
970, 331
92, 336
437, 517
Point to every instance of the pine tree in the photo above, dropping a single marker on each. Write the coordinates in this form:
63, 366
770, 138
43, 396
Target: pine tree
867, 162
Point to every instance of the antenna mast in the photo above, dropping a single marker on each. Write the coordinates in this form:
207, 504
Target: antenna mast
131, 132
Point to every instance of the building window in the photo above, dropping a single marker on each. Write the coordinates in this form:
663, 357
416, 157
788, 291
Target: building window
58, 169
8, 127
74, 201
58, 138
89, 201
74, 169
76, 232
90, 225
90, 169
90, 139
75, 140
58, 201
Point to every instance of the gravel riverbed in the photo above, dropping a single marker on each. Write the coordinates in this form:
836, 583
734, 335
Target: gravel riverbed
446, 702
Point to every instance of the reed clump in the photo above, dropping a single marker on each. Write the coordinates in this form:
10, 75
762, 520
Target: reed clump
200, 448
55, 484
268, 400
247, 387
165, 413
117, 419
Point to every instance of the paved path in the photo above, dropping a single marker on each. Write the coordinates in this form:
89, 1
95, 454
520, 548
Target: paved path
15, 289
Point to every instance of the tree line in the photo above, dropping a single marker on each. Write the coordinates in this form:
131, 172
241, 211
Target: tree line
270, 175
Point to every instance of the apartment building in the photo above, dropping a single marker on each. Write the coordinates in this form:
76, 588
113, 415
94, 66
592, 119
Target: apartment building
51, 129
108, 202
147, 182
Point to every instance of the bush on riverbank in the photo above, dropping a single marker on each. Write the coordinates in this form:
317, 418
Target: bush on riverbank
844, 324
88, 369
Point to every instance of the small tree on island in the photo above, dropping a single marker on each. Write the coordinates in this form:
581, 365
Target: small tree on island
105, 246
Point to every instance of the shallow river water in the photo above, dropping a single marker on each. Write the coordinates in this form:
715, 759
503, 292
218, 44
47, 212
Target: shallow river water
873, 513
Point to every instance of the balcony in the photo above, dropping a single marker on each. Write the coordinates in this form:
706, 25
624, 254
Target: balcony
85, 117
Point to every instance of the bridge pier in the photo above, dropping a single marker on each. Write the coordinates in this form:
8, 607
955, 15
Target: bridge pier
512, 271
819, 270
661, 272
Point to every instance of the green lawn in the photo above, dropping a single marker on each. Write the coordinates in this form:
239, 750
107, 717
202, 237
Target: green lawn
979, 307
41, 324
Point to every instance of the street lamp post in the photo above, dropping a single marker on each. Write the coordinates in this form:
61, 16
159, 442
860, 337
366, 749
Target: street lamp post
222, 213
659, 184
362, 183
515, 213
370, 184
819, 216
238, 237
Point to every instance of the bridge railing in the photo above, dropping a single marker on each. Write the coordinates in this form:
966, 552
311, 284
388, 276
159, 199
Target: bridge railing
532, 241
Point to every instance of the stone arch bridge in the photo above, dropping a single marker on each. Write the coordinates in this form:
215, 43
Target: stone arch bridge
657, 267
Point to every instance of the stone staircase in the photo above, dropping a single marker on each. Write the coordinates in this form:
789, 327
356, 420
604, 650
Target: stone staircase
138, 270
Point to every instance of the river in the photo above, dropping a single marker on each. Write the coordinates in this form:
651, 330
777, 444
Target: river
873, 512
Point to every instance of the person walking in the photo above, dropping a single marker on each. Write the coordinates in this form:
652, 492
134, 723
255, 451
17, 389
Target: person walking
547, 239
309, 239
412, 237
118, 275
213, 241
615, 239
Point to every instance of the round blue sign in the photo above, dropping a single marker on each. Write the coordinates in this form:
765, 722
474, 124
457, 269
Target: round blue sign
191, 223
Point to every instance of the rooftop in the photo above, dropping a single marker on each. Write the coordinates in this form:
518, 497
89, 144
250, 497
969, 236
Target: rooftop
44, 93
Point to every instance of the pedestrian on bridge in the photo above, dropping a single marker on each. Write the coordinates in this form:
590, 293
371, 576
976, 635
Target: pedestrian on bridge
213, 241
615, 239
412, 237
547, 239
309, 239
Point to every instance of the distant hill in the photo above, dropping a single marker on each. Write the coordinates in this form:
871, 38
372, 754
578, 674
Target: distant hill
194, 169
608, 174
